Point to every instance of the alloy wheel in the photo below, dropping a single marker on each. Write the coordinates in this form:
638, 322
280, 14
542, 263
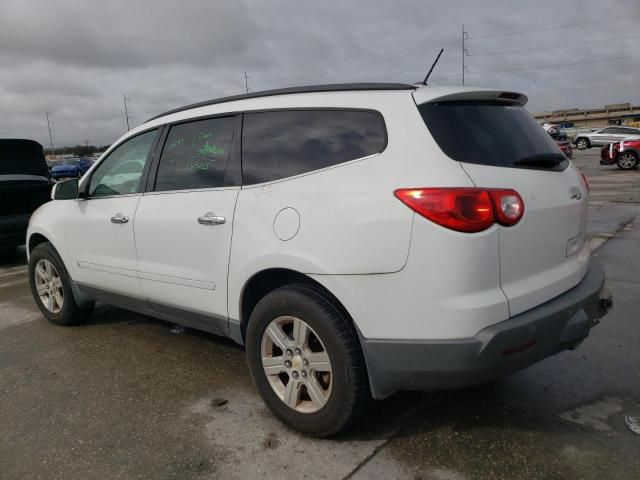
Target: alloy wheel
626, 160
296, 364
49, 286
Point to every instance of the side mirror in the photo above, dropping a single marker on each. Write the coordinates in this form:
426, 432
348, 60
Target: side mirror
67, 190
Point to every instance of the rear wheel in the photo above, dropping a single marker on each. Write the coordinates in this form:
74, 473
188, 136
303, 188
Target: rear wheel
306, 361
627, 160
582, 143
51, 287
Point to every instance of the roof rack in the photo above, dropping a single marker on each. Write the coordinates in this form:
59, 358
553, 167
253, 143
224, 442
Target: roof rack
335, 87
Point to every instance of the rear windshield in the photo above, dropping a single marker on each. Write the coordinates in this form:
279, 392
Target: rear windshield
22, 158
491, 133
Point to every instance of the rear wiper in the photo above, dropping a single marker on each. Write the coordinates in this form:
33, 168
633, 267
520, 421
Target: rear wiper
541, 160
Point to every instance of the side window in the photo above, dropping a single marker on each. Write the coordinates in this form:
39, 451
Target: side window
196, 154
608, 130
121, 172
281, 144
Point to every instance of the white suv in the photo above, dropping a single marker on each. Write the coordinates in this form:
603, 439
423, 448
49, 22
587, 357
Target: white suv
357, 239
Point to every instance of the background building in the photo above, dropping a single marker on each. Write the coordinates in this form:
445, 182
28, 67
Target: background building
616, 114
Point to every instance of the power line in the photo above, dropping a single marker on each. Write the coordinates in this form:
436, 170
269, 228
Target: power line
554, 65
365, 65
493, 35
566, 45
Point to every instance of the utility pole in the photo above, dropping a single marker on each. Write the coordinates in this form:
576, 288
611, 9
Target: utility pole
246, 81
464, 51
127, 101
49, 122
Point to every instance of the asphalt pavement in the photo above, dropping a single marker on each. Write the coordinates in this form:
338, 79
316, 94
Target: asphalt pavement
124, 397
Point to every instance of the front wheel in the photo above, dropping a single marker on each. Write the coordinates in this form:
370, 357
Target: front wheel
306, 361
582, 144
51, 287
627, 160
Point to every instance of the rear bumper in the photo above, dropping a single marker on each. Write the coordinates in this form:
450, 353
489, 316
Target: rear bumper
13, 230
497, 350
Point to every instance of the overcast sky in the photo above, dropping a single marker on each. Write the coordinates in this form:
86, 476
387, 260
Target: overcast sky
76, 58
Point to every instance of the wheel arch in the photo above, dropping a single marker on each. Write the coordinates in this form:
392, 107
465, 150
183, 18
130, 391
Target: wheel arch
34, 240
265, 281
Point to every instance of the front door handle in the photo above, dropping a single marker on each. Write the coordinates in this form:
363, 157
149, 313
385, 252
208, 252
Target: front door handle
211, 218
119, 218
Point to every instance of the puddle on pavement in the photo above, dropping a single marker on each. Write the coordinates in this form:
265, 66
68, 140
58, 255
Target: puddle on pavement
595, 415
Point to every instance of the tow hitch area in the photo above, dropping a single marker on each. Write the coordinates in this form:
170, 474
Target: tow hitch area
606, 303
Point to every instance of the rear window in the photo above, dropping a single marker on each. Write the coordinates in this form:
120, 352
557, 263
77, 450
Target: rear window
284, 143
491, 133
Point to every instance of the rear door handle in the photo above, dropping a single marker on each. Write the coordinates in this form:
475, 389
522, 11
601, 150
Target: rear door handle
211, 218
119, 218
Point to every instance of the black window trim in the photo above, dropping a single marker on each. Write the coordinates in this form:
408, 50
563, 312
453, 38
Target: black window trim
233, 162
323, 109
84, 191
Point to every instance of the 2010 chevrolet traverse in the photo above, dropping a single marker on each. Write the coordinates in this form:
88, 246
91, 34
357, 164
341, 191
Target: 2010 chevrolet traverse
358, 239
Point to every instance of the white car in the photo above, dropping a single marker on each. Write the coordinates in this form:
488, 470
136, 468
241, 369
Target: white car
604, 136
358, 239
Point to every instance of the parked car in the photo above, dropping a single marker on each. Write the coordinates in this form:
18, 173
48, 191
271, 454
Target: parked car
342, 233
24, 186
560, 138
604, 136
71, 167
625, 154
53, 163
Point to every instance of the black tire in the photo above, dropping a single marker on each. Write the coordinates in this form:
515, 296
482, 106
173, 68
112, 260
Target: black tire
627, 165
350, 397
71, 313
582, 141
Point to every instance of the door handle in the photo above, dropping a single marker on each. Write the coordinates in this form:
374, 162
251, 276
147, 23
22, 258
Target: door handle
211, 218
119, 218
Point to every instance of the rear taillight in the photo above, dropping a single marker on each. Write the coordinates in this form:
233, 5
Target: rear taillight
464, 209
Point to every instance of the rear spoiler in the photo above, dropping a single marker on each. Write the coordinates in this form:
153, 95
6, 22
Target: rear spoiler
428, 94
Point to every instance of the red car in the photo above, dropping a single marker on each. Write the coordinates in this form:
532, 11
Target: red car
625, 154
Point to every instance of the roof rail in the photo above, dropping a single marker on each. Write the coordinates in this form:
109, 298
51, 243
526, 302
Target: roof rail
335, 87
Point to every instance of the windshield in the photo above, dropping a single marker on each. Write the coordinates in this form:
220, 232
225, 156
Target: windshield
71, 161
491, 133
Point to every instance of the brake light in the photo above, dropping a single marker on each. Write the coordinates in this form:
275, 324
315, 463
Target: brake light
464, 209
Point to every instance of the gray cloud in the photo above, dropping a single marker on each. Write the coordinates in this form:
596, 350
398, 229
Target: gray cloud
77, 59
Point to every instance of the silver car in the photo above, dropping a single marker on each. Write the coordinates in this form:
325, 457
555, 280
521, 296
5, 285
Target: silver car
604, 136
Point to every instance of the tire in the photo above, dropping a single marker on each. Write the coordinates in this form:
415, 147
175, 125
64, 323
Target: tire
331, 333
583, 143
627, 160
69, 313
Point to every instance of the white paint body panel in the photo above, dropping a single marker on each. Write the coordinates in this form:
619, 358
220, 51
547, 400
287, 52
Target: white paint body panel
181, 262
534, 266
399, 275
103, 252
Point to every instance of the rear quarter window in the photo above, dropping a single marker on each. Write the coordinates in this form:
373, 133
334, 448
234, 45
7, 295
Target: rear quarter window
491, 133
281, 144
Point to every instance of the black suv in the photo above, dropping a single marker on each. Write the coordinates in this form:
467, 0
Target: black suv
24, 186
